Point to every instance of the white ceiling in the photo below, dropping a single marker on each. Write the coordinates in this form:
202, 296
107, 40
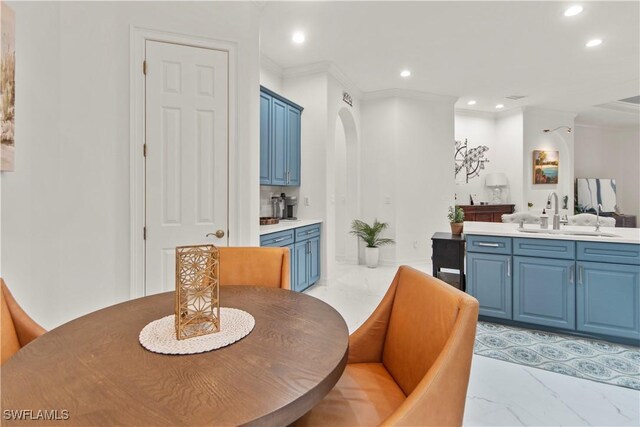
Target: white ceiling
475, 50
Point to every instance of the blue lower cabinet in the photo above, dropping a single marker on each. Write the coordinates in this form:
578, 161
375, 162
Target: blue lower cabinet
314, 260
544, 291
489, 280
301, 265
304, 253
608, 299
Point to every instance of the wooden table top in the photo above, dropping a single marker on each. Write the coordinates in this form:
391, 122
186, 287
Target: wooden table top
95, 368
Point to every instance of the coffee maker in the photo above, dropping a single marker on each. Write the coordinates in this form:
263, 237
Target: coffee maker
290, 203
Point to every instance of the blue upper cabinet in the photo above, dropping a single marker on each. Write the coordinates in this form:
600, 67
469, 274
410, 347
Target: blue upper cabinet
280, 131
265, 139
293, 145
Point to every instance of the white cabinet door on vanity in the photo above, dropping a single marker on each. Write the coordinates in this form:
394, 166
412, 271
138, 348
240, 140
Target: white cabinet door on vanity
186, 162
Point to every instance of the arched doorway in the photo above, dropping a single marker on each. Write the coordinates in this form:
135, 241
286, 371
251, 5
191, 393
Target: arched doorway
346, 188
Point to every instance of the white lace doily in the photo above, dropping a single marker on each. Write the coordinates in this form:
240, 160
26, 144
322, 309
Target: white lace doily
159, 336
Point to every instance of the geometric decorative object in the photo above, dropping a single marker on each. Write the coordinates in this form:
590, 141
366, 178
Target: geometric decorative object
197, 291
470, 159
545, 167
7, 87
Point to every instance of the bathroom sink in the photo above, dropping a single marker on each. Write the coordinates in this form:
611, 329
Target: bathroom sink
567, 232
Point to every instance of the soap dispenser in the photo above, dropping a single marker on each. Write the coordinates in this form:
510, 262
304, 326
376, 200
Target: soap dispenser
544, 220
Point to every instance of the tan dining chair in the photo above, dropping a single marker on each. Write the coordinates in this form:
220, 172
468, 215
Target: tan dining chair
255, 266
409, 363
18, 329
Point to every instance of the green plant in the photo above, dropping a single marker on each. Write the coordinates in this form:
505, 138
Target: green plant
370, 234
530, 204
456, 215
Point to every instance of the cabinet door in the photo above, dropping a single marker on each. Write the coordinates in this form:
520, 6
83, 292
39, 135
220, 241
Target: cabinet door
301, 260
278, 142
265, 139
608, 299
544, 291
489, 280
314, 260
293, 146
292, 265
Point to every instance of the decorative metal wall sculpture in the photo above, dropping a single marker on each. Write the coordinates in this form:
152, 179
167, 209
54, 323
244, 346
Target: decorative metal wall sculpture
7, 87
472, 160
197, 291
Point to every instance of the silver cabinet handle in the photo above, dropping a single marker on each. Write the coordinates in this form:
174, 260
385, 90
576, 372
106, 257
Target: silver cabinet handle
509, 267
580, 274
571, 272
491, 245
280, 239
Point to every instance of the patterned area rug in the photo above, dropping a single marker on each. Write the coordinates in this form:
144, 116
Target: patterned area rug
579, 357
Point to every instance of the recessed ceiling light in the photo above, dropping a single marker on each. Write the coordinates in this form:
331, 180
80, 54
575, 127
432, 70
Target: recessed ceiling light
594, 43
472, 102
573, 11
499, 106
298, 37
405, 73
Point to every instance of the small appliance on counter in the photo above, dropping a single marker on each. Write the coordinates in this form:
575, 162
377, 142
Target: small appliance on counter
284, 207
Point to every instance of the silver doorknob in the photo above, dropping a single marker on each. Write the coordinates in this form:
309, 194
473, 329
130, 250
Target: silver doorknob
219, 234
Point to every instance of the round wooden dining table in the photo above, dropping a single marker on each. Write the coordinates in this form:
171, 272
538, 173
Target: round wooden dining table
95, 369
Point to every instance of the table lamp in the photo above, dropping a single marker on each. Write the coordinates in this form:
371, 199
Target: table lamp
496, 181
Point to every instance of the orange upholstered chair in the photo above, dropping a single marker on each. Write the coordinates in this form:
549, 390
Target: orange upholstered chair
255, 266
409, 363
18, 329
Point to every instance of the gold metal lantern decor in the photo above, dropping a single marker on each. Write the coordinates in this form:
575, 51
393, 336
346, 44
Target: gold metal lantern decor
197, 291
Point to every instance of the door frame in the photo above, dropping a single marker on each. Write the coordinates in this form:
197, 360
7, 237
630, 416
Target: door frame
137, 173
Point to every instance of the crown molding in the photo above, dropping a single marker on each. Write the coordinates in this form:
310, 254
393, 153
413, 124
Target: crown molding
542, 110
345, 81
476, 113
306, 70
407, 93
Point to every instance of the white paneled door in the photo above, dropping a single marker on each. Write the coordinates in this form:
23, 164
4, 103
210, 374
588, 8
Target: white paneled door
186, 154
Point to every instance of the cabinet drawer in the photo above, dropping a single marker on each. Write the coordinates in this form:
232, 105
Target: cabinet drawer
616, 253
305, 233
489, 244
279, 239
545, 248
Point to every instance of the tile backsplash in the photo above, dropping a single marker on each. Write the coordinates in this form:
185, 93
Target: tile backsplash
267, 191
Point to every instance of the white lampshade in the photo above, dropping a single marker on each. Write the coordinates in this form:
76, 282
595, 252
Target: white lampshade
497, 179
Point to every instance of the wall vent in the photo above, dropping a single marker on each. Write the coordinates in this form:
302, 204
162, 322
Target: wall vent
516, 97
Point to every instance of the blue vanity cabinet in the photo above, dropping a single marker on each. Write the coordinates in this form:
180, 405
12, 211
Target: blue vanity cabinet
608, 299
544, 291
489, 280
280, 132
301, 262
314, 260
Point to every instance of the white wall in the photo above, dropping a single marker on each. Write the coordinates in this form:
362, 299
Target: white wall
502, 134
611, 153
65, 210
407, 169
535, 121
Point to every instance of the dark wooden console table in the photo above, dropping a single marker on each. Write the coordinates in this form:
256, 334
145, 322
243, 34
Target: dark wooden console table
486, 213
448, 252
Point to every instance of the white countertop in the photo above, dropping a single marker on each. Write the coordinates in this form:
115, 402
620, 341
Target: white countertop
623, 235
287, 225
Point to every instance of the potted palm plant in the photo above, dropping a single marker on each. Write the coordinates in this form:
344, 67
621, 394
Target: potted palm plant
370, 234
456, 218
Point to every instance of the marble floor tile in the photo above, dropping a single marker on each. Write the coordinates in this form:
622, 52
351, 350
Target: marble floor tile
500, 393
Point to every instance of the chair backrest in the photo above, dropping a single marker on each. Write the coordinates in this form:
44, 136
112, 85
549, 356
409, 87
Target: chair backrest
517, 217
255, 266
590, 219
18, 329
428, 348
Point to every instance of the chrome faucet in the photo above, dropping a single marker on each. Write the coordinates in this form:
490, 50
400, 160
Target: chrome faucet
598, 210
556, 215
